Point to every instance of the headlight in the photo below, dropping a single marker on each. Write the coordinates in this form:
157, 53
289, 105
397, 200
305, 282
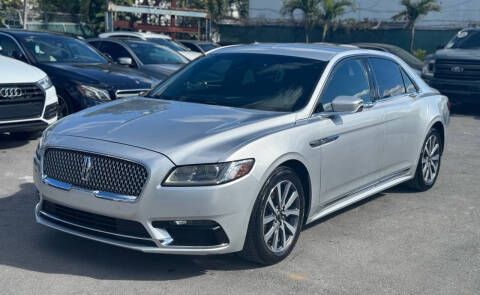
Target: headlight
93, 92
427, 69
45, 83
210, 174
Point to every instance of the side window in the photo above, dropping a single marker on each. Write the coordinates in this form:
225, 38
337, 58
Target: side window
191, 46
388, 77
408, 83
348, 79
114, 50
9, 48
95, 44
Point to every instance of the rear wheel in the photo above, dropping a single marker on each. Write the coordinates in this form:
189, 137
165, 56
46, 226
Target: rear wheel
428, 165
277, 218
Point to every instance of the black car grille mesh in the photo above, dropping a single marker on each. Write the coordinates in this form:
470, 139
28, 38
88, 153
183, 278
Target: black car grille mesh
20, 101
106, 174
457, 69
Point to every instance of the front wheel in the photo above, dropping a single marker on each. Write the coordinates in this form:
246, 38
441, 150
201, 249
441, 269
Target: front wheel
277, 218
428, 165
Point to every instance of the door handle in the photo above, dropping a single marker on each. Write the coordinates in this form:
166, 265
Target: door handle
322, 141
413, 95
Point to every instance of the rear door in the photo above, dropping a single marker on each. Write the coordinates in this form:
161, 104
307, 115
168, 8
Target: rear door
397, 97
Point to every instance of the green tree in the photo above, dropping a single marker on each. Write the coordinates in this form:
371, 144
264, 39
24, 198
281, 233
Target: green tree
311, 10
326, 11
332, 9
412, 12
10, 4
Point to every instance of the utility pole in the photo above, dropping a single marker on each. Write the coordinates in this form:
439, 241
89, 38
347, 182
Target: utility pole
25, 14
172, 18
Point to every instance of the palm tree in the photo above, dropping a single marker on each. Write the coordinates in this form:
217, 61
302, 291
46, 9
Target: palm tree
332, 9
315, 10
412, 12
311, 9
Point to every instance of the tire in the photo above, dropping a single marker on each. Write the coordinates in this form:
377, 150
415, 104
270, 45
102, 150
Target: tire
269, 243
428, 166
64, 107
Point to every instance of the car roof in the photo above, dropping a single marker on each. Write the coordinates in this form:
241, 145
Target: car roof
142, 35
323, 52
195, 41
21, 32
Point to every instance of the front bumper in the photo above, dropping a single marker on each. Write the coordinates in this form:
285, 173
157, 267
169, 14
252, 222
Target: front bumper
458, 91
227, 205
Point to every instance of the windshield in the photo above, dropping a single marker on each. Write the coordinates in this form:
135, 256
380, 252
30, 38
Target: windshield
207, 46
170, 44
465, 40
53, 48
154, 54
253, 81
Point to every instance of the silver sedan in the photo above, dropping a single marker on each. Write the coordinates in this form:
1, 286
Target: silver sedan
240, 149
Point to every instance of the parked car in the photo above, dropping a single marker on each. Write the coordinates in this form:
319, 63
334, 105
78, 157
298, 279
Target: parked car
81, 75
455, 70
199, 46
156, 38
250, 144
410, 59
150, 58
28, 101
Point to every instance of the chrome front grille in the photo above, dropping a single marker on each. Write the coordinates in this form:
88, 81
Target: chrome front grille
95, 172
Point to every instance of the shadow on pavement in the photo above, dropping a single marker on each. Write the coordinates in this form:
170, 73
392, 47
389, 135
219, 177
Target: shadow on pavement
27, 245
8, 141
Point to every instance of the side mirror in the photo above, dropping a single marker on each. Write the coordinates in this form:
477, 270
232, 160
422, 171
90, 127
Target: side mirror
126, 61
347, 104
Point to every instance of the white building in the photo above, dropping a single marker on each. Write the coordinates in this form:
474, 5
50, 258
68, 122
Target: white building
454, 13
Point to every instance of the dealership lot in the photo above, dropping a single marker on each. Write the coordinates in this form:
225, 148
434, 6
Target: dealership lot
397, 242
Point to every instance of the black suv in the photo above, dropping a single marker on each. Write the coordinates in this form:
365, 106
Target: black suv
455, 70
82, 76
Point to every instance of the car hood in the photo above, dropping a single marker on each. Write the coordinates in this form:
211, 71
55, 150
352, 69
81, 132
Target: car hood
455, 53
13, 71
187, 133
104, 75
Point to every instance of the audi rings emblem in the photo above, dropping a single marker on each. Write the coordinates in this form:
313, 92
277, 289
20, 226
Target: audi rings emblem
11, 92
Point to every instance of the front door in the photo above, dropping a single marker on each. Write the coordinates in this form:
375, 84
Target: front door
350, 144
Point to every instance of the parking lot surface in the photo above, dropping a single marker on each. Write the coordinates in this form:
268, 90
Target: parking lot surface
396, 242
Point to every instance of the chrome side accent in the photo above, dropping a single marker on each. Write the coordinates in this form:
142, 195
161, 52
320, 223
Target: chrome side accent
368, 186
99, 194
322, 141
56, 183
113, 197
129, 92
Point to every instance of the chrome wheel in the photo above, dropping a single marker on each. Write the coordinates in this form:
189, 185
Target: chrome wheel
430, 159
281, 216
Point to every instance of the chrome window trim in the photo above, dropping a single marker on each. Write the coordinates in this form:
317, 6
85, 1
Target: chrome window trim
103, 195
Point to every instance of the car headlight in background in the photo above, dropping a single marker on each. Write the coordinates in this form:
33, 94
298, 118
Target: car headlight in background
45, 83
428, 67
209, 174
93, 92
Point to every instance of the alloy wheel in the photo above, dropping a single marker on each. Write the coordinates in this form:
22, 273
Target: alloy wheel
281, 216
430, 159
